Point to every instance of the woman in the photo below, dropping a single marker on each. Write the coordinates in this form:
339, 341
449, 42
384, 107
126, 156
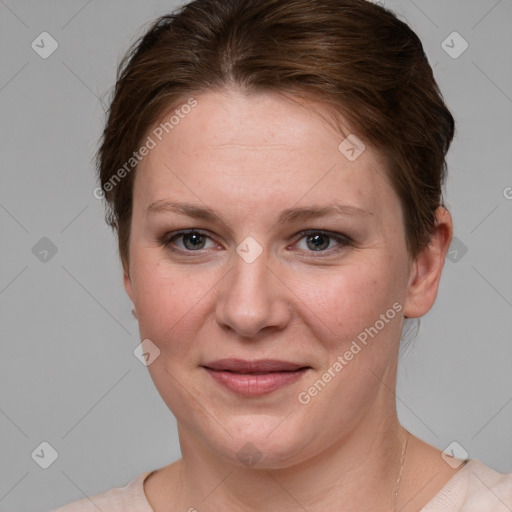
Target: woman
274, 172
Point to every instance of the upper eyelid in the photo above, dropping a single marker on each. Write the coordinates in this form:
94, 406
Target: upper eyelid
332, 234
340, 237
169, 237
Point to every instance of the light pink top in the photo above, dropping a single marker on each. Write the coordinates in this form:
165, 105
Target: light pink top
474, 488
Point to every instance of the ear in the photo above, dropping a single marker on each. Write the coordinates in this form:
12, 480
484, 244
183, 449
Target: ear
426, 269
127, 280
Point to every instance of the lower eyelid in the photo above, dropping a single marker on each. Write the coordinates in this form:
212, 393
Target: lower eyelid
169, 239
325, 252
172, 239
340, 239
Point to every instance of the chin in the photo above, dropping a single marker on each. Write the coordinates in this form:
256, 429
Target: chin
261, 442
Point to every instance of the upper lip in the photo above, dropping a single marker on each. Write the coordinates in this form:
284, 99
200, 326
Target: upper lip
255, 366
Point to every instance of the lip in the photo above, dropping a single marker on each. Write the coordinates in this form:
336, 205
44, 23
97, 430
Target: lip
255, 378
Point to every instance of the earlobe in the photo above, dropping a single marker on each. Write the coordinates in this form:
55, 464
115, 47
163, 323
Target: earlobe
127, 281
427, 268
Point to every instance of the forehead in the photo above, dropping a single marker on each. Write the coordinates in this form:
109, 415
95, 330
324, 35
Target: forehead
232, 119
247, 152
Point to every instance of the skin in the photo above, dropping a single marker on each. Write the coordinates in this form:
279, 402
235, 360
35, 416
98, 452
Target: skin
249, 158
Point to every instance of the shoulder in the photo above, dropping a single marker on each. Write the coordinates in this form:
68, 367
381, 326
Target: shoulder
474, 488
130, 498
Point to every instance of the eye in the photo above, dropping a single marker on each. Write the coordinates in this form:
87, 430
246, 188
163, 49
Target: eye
187, 240
195, 240
322, 241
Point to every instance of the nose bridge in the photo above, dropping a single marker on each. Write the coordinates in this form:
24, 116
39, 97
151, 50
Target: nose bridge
248, 301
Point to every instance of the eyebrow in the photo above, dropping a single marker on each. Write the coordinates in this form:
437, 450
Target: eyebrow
294, 214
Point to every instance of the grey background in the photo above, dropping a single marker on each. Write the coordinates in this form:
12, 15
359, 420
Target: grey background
67, 369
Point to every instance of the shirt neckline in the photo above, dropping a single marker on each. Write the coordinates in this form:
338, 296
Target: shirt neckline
466, 466
139, 485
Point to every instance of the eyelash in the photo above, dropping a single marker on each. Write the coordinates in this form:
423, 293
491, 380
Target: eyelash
343, 240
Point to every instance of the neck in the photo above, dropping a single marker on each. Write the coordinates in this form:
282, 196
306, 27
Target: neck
359, 470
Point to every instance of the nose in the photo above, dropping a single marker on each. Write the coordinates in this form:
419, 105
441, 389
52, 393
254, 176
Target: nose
252, 299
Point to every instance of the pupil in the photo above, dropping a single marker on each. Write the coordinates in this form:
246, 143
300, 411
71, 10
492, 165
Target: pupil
318, 242
193, 240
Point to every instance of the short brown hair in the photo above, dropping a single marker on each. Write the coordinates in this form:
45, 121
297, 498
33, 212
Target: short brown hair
352, 55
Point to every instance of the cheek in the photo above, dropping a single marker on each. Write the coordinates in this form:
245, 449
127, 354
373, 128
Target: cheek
174, 302
344, 301
355, 314
158, 295
170, 300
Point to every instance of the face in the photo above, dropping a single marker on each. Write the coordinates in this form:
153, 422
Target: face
255, 238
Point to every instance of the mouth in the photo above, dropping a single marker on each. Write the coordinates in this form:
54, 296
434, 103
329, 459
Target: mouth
254, 378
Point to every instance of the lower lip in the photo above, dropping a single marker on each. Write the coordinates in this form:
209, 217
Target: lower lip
251, 384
